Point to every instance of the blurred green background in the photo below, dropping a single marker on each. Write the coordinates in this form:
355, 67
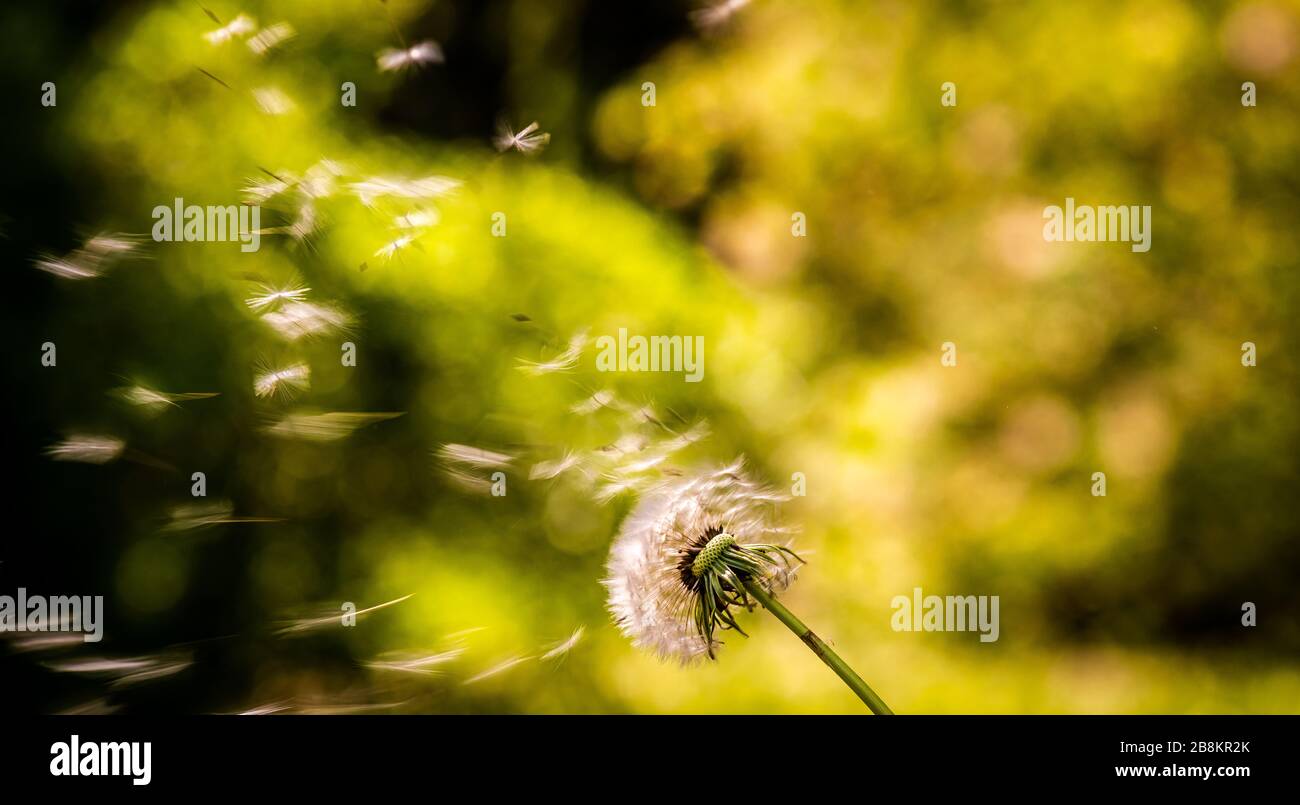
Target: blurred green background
822, 352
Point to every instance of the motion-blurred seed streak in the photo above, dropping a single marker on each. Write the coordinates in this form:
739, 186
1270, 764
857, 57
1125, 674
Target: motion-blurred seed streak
477, 457
94, 707
565, 361
273, 101
155, 402
546, 470
87, 448
499, 668
126, 671
334, 618
96, 256
524, 141
717, 14
390, 250
298, 319
597, 401
271, 37
270, 296
189, 516
52, 642
429, 187
558, 651
242, 25
283, 382
326, 427
425, 665
348, 709
417, 55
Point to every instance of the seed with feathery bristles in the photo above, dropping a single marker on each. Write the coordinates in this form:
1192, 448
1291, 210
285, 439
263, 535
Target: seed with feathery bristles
527, 141
421, 53
241, 25
286, 381
270, 38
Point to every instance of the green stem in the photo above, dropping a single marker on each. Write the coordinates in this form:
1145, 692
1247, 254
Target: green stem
818, 647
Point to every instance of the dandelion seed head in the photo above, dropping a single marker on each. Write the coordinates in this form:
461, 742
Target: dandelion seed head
653, 594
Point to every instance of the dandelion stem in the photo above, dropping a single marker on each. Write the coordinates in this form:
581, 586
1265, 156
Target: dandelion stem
818, 647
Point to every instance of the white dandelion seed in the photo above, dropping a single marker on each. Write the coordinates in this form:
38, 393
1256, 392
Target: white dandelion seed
241, 25
428, 187
422, 664
299, 319
126, 670
271, 296
333, 617
390, 250
328, 427
95, 257
189, 516
271, 37
655, 596
499, 668
601, 399
527, 141
717, 14
87, 449
546, 470
286, 381
474, 456
561, 649
154, 402
566, 361
273, 101
417, 55
417, 219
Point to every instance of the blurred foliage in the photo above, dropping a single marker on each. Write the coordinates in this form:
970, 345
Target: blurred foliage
822, 353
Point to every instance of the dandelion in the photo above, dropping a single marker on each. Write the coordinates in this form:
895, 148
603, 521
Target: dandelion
499, 668
272, 382
561, 649
154, 402
692, 554
87, 449
389, 250
601, 399
416, 219
333, 617
271, 37
326, 427
299, 319
715, 15
566, 361
423, 664
425, 188
270, 296
546, 470
525, 141
241, 25
421, 53
95, 257
272, 101
190, 516
474, 456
